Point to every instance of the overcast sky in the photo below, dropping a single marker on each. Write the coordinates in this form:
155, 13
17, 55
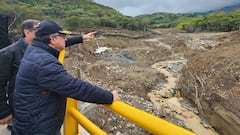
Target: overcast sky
138, 7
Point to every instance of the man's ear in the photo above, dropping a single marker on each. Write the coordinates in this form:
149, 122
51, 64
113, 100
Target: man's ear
51, 39
26, 32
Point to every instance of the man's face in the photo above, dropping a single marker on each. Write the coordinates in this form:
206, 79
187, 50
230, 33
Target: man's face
34, 30
30, 33
57, 41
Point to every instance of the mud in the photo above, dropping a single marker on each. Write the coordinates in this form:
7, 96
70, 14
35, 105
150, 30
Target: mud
148, 73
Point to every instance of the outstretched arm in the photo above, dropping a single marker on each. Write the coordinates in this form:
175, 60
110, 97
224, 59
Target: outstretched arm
89, 35
79, 38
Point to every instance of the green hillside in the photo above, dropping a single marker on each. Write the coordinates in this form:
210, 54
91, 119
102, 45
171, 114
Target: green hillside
79, 14
72, 14
218, 21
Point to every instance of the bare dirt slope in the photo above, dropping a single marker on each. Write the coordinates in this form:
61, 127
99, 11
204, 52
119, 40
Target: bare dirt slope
146, 70
211, 80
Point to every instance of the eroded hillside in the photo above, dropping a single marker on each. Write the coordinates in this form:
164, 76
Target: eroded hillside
146, 73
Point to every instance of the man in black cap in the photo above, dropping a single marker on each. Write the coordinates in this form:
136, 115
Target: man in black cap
10, 59
42, 85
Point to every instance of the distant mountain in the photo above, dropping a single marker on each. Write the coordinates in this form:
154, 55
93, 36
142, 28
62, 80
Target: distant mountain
230, 8
225, 9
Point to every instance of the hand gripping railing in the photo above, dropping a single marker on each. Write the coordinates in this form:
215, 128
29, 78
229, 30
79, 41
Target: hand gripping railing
148, 121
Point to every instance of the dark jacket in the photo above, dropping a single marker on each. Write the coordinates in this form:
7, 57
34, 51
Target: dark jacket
10, 58
42, 86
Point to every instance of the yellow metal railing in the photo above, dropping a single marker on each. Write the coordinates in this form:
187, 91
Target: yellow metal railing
73, 116
148, 121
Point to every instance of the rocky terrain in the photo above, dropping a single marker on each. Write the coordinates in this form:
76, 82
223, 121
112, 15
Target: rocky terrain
189, 79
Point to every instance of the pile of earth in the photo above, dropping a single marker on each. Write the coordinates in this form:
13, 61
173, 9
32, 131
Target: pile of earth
127, 68
209, 79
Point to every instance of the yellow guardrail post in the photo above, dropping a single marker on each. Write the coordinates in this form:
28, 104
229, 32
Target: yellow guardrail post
146, 120
73, 116
86, 123
70, 126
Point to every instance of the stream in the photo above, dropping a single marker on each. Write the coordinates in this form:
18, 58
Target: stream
168, 99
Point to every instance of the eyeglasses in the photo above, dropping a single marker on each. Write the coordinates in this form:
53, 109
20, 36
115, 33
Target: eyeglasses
59, 35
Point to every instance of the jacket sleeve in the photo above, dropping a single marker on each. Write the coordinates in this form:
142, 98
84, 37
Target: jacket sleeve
74, 40
53, 77
5, 74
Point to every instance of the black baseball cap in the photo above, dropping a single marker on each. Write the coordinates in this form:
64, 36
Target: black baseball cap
46, 28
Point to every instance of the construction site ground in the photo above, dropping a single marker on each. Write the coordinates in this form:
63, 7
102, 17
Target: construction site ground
189, 79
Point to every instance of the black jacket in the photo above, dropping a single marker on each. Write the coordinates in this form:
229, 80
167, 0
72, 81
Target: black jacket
42, 86
10, 58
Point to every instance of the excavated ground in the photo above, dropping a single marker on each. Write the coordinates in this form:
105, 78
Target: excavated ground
189, 79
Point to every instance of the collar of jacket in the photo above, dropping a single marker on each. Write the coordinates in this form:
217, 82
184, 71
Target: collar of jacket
46, 47
23, 44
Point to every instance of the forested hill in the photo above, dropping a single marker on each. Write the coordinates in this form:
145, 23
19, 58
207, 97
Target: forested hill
72, 13
225, 9
79, 14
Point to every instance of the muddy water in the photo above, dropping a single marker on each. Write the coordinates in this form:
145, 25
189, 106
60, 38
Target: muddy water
168, 99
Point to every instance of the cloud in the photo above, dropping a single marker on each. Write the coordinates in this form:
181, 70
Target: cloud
137, 7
